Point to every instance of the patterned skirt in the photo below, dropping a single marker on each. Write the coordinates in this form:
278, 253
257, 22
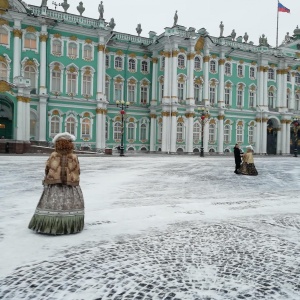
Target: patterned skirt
59, 211
248, 169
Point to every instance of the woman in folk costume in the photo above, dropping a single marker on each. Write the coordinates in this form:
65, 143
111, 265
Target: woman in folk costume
248, 167
61, 206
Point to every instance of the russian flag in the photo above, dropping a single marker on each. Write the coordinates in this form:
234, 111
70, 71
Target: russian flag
282, 8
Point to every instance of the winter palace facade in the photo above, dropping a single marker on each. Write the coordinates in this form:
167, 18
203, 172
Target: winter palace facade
66, 72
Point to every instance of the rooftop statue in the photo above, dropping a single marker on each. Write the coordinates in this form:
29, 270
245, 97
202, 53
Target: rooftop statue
139, 29
44, 2
65, 5
80, 8
221, 29
246, 37
112, 23
263, 41
233, 34
175, 18
101, 10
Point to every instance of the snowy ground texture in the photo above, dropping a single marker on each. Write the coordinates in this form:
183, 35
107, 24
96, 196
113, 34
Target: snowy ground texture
157, 227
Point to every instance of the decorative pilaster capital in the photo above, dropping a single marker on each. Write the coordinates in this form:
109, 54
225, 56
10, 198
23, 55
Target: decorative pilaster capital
257, 120
283, 121
101, 48
284, 71
167, 54
221, 61
174, 113
165, 113
264, 120
175, 53
155, 60
153, 116
221, 117
190, 115
266, 69
23, 99
17, 33
206, 59
43, 37
279, 72
101, 111
191, 56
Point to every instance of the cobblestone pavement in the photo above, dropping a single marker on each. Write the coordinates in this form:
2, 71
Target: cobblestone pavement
190, 260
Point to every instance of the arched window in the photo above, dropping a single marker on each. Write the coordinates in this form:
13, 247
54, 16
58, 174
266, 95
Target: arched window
297, 78
131, 66
3, 71
70, 125
271, 74
144, 94
211, 133
86, 128
252, 73
179, 131
159, 132
3, 36
87, 84
239, 134
251, 99
33, 126
72, 50
297, 101
107, 61
227, 96
56, 47
227, 69
30, 41
180, 91
106, 130
107, 93
212, 65
196, 133
30, 73
227, 133
87, 52
240, 71
131, 92
117, 131
212, 95
117, 91
72, 83
56, 81
288, 77
271, 99
288, 97
144, 66
197, 92
197, 63
143, 132
118, 62
251, 135
130, 131
54, 126
181, 61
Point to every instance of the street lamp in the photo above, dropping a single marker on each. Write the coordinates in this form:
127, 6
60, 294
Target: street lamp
123, 106
296, 124
204, 119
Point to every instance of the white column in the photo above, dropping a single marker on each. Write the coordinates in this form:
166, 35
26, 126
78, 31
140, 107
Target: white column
189, 132
258, 136
261, 85
288, 136
154, 81
20, 118
279, 90
205, 140
99, 117
190, 100
264, 136
279, 139
17, 49
27, 119
100, 67
103, 126
173, 131
174, 85
43, 60
221, 81
284, 88
165, 129
221, 134
293, 104
42, 118
283, 141
265, 83
206, 78
152, 132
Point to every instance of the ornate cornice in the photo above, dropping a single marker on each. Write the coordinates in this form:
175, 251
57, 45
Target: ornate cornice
17, 33
43, 37
206, 59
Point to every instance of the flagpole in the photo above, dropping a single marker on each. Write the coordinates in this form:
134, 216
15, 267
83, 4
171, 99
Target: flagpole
277, 24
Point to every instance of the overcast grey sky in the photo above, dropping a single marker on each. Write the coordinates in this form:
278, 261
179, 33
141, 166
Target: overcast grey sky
256, 17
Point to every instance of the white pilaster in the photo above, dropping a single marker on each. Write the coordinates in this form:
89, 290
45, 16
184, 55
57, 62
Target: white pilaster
99, 117
42, 117
279, 139
20, 118
43, 60
17, 48
190, 80
174, 91
205, 139
152, 132
100, 72
221, 134
279, 90
154, 81
206, 77
265, 84
221, 80
284, 136
288, 136
264, 136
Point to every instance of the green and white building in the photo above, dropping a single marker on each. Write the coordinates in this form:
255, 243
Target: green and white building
65, 72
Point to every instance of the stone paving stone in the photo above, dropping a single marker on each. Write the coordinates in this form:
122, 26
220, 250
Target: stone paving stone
187, 261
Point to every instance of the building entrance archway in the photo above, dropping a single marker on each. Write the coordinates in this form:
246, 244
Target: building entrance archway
6, 118
272, 129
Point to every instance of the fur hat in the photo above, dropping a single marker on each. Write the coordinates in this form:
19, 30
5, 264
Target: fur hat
249, 147
64, 136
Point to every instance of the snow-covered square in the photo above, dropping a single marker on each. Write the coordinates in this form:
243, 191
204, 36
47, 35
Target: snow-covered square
156, 227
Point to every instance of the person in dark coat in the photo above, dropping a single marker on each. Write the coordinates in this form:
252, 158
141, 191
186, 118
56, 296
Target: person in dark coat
237, 158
